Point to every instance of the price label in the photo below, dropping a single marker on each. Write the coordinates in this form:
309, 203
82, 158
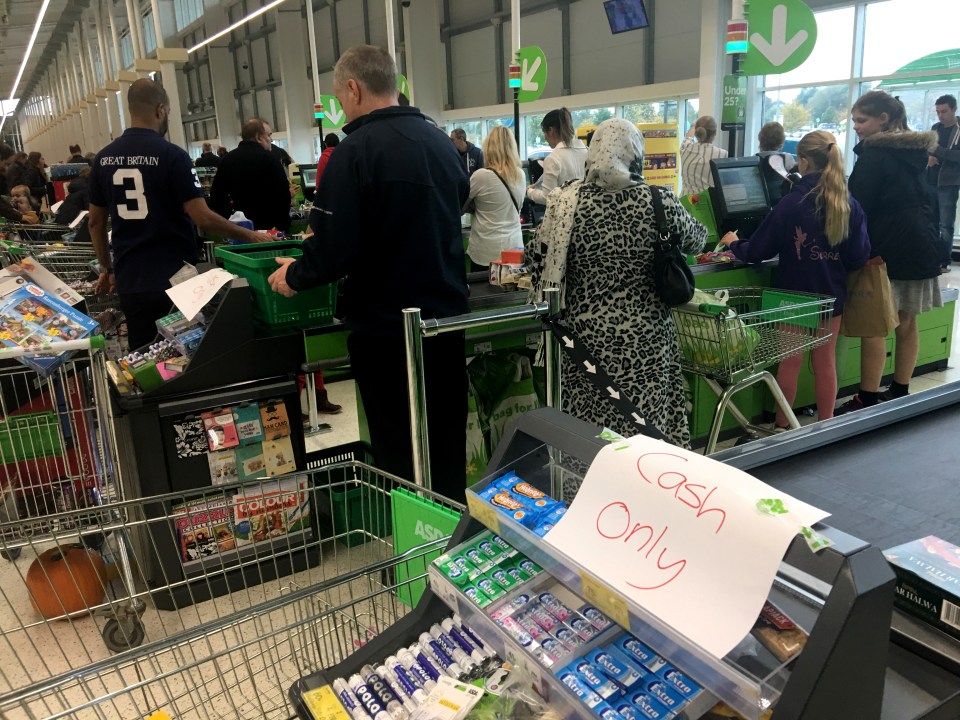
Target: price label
483, 512
324, 705
605, 600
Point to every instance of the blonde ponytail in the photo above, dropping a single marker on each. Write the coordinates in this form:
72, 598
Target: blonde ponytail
831, 194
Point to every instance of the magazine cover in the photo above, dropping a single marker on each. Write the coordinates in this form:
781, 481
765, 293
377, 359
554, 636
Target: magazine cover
204, 528
271, 510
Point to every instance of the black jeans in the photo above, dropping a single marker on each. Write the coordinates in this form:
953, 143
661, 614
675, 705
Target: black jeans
379, 366
142, 310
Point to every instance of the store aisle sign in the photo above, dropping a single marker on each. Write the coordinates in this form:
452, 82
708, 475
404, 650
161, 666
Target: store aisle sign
734, 113
694, 542
781, 37
333, 115
403, 86
533, 73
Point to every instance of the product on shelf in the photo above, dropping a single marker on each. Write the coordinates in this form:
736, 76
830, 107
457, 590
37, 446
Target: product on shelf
525, 504
778, 634
928, 581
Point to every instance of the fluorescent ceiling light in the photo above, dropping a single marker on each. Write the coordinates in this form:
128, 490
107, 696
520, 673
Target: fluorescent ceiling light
238, 23
26, 55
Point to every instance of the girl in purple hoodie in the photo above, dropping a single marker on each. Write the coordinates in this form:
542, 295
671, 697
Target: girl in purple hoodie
820, 233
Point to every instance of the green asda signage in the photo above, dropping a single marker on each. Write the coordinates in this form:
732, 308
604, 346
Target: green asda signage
733, 116
781, 36
533, 73
333, 113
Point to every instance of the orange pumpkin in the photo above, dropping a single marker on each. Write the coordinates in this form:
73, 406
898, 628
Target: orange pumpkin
66, 579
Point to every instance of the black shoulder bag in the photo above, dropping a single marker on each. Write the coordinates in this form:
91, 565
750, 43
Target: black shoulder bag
672, 277
509, 191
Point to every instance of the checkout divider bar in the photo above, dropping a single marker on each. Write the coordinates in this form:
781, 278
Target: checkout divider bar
415, 329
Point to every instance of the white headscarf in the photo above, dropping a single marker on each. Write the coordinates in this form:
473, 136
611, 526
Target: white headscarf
614, 162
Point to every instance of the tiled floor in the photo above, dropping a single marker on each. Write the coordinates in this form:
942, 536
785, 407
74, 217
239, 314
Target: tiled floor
242, 671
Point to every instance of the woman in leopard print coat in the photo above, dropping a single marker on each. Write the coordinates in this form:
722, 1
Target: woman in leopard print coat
596, 244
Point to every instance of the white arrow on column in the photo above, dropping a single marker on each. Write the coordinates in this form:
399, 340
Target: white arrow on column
335, 113
613, 393
590, 368
779, 49
526, 75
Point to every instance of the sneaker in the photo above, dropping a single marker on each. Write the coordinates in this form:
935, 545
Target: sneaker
887, 395
851, 405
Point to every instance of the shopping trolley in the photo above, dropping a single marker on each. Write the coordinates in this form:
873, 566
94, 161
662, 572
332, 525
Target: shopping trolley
236, 655
730, 340
67, 253
59, 468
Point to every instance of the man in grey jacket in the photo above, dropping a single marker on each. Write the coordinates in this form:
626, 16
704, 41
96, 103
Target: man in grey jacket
943, 171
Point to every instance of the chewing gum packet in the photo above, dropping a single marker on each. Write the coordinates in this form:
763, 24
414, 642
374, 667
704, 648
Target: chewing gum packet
778, 633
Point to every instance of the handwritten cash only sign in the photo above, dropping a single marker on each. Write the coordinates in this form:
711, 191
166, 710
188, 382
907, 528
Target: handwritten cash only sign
691, 540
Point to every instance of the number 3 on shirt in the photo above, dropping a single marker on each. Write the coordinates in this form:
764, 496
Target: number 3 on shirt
136, 206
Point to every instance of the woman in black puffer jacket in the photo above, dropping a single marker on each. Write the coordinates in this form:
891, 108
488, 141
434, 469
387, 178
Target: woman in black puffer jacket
888, 182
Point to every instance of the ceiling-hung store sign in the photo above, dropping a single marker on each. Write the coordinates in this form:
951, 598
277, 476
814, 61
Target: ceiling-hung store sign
333, 114
533, 73
781, 37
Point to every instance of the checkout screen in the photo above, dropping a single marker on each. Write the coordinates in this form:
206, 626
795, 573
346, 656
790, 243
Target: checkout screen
742, 189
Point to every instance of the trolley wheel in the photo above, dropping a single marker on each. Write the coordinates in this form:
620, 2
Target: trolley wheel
11, 554
120, 635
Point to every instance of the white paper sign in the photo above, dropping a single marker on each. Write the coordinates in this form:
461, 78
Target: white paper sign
694, 542
78, 219
191, 295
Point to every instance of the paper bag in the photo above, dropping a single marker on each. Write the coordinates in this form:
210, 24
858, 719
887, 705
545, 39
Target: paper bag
869, 310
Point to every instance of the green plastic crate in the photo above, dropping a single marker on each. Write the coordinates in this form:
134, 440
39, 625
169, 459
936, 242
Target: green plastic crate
256, 263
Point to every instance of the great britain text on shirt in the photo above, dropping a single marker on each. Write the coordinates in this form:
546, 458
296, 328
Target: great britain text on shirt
130, 160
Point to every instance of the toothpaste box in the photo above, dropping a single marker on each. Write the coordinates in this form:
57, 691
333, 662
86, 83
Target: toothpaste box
30, 317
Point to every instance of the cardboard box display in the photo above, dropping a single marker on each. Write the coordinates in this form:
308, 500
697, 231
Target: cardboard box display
928, 581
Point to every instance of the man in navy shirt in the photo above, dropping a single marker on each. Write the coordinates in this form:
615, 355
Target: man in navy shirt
387, 217
151, 192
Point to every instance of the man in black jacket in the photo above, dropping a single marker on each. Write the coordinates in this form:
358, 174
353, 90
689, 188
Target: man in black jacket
387, 217
943, 172
250, 179
208, 158
470, 155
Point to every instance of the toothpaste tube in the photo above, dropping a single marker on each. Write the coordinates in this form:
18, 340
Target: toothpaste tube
349, 700
425, 661
680, 682
531, 626
453, 650
479, 598
570, 639
489, 588
643, 706
573, 681
616, 666
367, 699
600, 621
501, 578
406, 680
595, 679
555, 649
477, 655
556, 608
388, 696
582, 627
423, 678
510, 606
539, 613
662, 692
431, 646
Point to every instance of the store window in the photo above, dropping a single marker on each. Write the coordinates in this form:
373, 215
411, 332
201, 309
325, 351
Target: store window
187, 11
900, 31
473, 129
126, 51
148, 33
655, 112
800, 110
536, 144
591, 117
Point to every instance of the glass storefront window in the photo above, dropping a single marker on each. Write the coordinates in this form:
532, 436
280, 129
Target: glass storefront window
473, 129
801, 110
536, 143
655, 112
901, 31
591, 117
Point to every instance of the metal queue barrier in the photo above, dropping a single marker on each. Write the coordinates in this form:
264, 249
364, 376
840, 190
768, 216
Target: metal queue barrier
415, 329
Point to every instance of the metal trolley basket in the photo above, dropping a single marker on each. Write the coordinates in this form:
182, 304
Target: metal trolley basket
236, 655
730, 342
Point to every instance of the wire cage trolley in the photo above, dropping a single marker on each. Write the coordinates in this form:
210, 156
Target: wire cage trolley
59, 467
369, 537
66, 252
733, 338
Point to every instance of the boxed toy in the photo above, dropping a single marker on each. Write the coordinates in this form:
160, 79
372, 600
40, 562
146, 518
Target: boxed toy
31, 318
928, 581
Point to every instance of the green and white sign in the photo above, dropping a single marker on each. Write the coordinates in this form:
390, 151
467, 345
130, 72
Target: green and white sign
734, 113
334, 116
403, 86
782, 36
533, 73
